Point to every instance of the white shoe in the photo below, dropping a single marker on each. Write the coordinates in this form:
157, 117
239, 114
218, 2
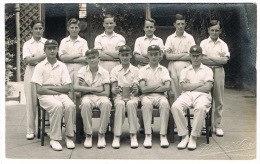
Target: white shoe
184, 142
55, 145
69, 143
88, 141
219, 132
148, 141
192, 143
134, 142
116, 142
164, 141
30, 136
101, 141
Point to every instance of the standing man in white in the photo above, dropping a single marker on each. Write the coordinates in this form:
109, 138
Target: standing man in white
33, 53
216, 55
177, 48
108, 44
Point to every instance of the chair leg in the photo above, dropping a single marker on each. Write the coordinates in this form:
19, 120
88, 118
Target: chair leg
39, 120
207, 128
43, 127
171, 129
79, 126
188, 119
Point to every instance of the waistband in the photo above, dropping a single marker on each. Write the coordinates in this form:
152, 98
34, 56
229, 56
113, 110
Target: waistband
142, 63
216, 66
116, 59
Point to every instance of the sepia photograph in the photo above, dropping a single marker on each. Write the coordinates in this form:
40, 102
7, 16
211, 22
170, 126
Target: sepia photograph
94, 81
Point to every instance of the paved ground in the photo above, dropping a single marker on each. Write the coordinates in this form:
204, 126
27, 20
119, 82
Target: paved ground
239, 142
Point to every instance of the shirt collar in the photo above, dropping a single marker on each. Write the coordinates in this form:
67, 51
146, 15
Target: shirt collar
98, 72
210, 40
45, 61
68, 39
129, 68
201, 67
159, 67
154, 37
42, 40
104, 34
184, 34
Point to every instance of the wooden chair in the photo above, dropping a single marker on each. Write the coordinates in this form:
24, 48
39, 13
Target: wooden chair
43, 122
208, 125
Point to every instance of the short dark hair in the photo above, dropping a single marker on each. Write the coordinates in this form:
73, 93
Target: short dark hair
105, 16
178, 17
214, 23
35, 21
73, 21
150, 20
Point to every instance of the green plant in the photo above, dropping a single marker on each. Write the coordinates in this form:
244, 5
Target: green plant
9, 43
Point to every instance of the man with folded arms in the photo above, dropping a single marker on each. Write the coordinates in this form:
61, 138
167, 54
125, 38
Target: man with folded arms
154, 80
196, 82
53, 81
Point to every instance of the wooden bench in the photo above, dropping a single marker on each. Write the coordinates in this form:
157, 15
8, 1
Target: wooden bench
96, 114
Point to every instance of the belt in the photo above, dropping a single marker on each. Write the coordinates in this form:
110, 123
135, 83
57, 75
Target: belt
116, 59
216, 66
142, 64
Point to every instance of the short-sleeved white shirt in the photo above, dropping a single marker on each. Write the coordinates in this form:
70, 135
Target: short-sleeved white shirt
33, 47
159, 76
124, 78
203, 74
78, 46
102, 77
211, 48
45, 73
142, 43
103, 42
179, 44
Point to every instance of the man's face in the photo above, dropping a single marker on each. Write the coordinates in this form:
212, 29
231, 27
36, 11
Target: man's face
196, 59
154, 56
214, 32
73, 30
149, 28
125, 57
92, 59
37, 30
109, 24
179, 25
51, 51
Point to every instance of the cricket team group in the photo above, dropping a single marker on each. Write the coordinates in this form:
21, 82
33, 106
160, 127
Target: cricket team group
100, 73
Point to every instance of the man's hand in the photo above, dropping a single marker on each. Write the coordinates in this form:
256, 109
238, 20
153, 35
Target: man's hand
169, 51
222, 54
117, 90
135, 89
100, 89
82, 82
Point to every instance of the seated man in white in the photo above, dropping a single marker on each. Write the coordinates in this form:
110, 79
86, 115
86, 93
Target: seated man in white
53, 85
196, 83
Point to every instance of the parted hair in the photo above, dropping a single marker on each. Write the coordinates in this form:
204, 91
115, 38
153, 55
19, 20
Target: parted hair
214, 23
108, 16
178, 17
73, 21
150, 20
35, 21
